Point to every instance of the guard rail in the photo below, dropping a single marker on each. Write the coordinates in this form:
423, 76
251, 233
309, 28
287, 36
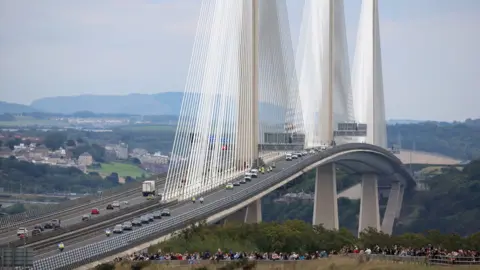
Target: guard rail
80, 256
433, 260
93, 252
17, 219
30, 218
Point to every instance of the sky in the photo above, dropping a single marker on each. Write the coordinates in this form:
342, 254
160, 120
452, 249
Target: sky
59, 48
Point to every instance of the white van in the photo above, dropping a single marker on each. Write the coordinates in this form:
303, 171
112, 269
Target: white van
288, 157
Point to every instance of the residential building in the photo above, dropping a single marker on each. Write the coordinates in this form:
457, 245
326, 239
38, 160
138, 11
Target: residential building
85, 159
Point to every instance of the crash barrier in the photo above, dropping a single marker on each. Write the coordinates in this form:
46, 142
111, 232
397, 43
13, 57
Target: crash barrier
96, 251
13, 221
80, 225
433, 259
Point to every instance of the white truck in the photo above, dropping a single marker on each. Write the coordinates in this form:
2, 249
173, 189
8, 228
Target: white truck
148, 188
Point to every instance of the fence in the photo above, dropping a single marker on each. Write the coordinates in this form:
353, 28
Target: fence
12, 221
434, 260
96, 251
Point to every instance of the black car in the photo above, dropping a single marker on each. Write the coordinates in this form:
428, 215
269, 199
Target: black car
36, 232
39, 226
109, 207
236, 184
165, 213
48, 225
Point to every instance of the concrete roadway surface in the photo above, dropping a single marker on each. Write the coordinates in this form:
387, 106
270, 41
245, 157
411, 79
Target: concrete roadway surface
76, 243
73, 218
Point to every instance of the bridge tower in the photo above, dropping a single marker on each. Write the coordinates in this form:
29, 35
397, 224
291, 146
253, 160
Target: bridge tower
369, 105
241, 87
325, 93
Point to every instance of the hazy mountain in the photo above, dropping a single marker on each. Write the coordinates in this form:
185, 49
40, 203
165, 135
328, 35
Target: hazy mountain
168, 103
14, 108
142, 104
403, 121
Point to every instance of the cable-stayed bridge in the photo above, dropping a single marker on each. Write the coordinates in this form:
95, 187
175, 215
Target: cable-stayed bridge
248, 102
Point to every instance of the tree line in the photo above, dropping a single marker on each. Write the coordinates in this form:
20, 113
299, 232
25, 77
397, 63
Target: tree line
21, 176
299, 236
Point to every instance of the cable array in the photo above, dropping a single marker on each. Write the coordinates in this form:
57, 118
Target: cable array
367, 77
239, 87
313, 65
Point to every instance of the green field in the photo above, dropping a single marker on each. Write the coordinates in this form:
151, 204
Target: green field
153, 128
123, 169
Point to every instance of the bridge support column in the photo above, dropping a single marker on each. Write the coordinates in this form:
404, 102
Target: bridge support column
325, 207
254, 212
400, 201
392, 208
237, 217
369, 209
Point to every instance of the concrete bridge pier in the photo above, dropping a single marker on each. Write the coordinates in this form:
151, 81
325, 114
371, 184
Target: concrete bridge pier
369, 208
252, 213
325, 206
392, 208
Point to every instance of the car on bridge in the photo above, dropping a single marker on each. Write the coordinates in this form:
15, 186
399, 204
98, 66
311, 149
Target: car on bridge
150, 217
236, 184
244, 181
144, 219
48, 225
22, 231
248, 177
118, 228
137, 222
86, 217
39, 226
166, 212
288, 157
56, 223
110, 206
36, 232
157, 214
116, 204
95, 211
229, 186
253, 173
127, 226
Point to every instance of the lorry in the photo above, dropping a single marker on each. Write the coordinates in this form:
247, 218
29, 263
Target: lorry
148, 188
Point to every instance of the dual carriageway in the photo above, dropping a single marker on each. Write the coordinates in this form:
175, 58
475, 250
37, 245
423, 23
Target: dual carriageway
91, 244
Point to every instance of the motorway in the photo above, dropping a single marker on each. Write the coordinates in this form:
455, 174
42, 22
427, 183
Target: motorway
179, 209
69, 219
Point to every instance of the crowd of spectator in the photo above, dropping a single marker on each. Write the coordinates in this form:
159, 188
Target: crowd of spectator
434, 255
219, 255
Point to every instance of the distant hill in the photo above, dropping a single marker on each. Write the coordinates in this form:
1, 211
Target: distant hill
141, 104
14, 108
403, 121
168, 103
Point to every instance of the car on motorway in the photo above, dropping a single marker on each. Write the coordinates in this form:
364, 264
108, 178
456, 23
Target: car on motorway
118, 228
127, 226
48, 225
244, 181
22, 231
273, 165
39, 226
288, 157
229, 186
157, 214
110, 206
56, 223
86, 217
150, 197
144, 219
125, 202
150, 217
294, 156
166, 212
236, 184
254, 173
95, 211
137, 222
116, 204
248, 177
36, 232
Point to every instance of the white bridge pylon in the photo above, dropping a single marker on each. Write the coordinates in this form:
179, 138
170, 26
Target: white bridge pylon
241, 84
324, 70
